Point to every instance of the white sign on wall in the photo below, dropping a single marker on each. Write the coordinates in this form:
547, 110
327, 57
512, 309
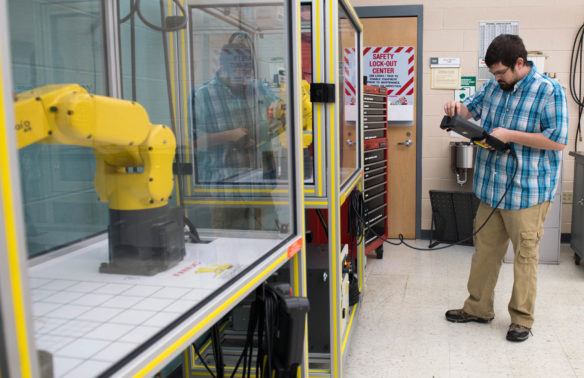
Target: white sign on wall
488, 30
393, 67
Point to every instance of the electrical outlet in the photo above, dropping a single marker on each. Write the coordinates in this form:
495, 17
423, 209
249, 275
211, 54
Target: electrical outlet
567, 197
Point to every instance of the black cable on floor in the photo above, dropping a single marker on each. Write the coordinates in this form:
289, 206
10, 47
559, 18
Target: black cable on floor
401, 237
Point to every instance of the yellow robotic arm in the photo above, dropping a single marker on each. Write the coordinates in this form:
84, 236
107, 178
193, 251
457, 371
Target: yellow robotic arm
133, 173
306, 116
134, 157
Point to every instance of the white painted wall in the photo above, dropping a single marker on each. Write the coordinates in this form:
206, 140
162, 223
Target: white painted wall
451, 30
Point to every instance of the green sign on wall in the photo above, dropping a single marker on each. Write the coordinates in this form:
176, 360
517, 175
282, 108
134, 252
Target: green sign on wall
469, 84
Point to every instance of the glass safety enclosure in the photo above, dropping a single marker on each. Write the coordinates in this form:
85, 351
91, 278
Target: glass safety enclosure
349, 92
333, 59
156, 147
237, 118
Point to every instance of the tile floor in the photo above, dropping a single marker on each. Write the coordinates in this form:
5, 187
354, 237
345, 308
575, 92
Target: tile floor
401, 330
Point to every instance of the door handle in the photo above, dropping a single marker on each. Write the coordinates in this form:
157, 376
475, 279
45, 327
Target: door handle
407, 143
581, 202
350, 142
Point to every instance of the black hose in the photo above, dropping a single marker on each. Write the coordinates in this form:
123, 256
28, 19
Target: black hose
576, 62
322, 222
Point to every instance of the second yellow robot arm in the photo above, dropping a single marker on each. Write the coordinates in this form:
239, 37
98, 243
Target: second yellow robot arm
306, 116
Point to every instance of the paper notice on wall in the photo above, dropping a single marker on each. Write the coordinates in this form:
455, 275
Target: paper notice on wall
445, 78
392, 67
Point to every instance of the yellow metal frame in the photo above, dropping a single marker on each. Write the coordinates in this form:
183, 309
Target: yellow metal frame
13, 245
335, 196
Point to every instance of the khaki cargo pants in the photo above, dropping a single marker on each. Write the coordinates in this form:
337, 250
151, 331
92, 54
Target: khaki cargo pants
524, 228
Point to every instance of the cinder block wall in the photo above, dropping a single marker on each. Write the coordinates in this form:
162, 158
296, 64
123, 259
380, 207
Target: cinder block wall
451, 30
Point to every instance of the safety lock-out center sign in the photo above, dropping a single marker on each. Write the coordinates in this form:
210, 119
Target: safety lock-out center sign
393, 68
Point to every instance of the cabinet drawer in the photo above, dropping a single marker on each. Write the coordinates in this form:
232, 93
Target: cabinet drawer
374, 156
375, 165
374, 134
376, 201
373, 98
374, 118
372, 191
374, 216
375, 179
374, 172
373, 104
375, 230
374, 111
374, 125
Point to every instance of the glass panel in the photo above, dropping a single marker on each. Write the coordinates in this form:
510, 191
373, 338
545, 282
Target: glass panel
146, 76
96, 164
307, 120
50, 44
349, 86
238, 118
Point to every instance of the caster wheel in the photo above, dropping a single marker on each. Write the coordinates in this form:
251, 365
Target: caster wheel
379, 252
576, 259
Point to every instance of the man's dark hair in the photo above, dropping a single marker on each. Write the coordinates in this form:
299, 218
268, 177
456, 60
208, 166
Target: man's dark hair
505, 48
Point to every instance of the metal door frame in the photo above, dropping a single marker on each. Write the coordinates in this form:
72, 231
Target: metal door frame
393, 11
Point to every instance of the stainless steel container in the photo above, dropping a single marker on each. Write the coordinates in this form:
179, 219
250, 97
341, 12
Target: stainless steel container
464, 153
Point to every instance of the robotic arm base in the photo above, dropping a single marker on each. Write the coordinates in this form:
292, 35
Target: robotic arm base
145, 242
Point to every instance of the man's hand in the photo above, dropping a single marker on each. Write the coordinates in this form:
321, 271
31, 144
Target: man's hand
500, 133
452, 108
240, 136
504, 135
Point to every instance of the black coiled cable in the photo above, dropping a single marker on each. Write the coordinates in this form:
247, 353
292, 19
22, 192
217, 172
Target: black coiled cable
575, 84
356, 217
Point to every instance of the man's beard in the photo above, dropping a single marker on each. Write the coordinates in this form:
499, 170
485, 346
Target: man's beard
506, 86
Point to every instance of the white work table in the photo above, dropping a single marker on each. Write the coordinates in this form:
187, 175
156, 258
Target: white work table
89, 320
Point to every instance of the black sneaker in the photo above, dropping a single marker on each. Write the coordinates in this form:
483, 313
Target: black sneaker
459, 316
518, 332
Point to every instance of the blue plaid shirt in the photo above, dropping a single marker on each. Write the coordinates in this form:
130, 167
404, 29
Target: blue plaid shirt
536, 104
217, 108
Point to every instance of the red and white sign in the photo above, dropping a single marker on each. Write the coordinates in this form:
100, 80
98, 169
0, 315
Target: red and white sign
393, 68
350, 76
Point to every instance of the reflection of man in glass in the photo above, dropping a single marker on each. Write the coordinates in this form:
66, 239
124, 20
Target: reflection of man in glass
227, 111
231, 124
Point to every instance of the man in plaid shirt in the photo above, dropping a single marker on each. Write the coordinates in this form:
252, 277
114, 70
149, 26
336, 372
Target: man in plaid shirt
230, 120
529, 111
